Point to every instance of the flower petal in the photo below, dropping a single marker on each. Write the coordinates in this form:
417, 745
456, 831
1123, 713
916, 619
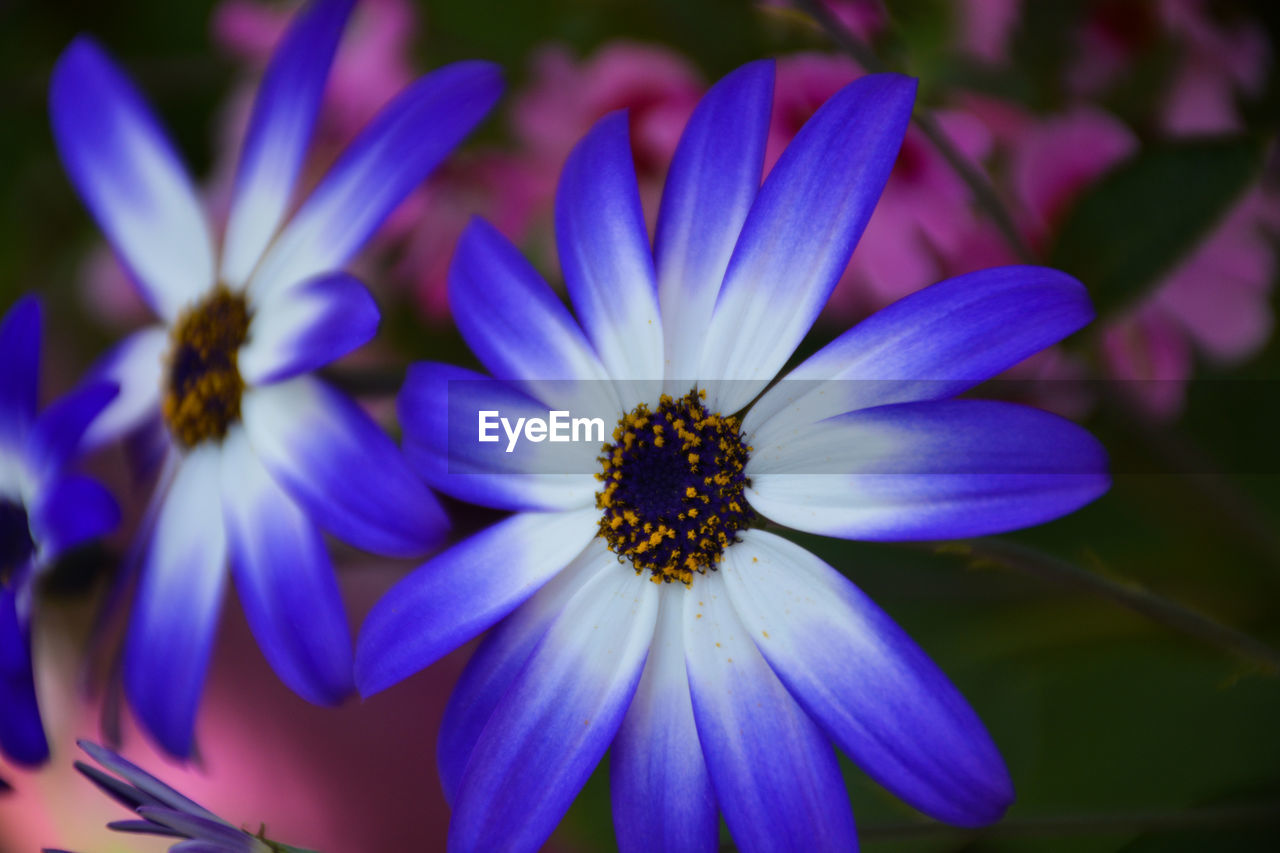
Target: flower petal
391, 156
500, 657
152, 788
226, 838
175, 615
800, 232
458, 594
275, 144
306, 327
774, 772
250, 845
515, 323
129, 177
136, 367
142, 827
439, 407
862, 678
930, 345
55, 441
556, 721
20, 378
713, 179
22, 738
656, 765
934, 470
604, 254
285, 579
71, 511
348, 474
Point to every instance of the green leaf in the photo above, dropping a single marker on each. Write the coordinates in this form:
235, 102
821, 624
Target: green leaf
1142, 218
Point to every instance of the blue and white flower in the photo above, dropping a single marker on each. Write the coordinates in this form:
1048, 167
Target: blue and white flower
722, 685
260, 455
162, 811
45, 509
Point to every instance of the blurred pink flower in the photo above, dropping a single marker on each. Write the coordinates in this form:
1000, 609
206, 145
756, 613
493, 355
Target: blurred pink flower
1221, 294
516, 191
488, 183
108, 293
985, 26
1216, 300
1053, 159
1217, 61
1152, 356
657, 86
1220, 61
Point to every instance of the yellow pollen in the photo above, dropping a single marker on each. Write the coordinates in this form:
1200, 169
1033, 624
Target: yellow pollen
654, 492
203, 386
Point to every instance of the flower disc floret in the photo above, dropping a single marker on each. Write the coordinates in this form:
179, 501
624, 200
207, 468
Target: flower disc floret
673, 482
204, 387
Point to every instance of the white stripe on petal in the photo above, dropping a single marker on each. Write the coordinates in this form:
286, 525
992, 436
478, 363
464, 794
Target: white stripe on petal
136, 365
306, 327
284, 112
130, 178
332, 457
656, 765
554, 724
389, 158
285, 579
800, 232
713, 179
461, 592
179, 597
873, 689
774, 772
605, 257
934, 470
931, 345
500, 658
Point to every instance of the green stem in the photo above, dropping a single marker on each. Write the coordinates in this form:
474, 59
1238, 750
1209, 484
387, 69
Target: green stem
984, 194
1236, 816
365, 381
1058, 826
1171, 614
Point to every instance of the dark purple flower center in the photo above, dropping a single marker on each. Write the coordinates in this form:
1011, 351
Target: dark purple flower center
673, 478
16, 544
203, 390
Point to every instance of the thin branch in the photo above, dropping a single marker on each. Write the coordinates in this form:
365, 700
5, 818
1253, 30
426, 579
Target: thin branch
1058, 826
1171, 614
365, 381
1236, 816
984, 194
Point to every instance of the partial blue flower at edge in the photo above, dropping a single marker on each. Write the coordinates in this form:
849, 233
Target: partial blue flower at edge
163, 812
46, 508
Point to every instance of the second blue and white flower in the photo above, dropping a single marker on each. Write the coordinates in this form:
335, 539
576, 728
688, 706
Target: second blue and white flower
259, 455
